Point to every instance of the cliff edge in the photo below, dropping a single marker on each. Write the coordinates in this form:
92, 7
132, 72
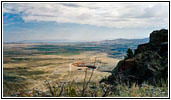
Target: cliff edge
149, 62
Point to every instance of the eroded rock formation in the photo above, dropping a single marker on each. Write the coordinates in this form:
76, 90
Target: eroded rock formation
149, 63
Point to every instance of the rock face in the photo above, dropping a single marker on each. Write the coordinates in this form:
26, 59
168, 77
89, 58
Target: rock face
149, 63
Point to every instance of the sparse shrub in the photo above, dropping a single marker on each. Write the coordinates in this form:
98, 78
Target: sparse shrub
101, 90
87, 89
145, 90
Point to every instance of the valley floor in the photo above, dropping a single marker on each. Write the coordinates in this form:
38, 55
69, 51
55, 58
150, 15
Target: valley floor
31, 71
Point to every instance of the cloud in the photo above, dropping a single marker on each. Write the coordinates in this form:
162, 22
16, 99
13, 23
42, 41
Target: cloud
117, 15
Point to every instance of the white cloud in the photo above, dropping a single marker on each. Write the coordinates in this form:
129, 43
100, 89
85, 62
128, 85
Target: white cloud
118, 15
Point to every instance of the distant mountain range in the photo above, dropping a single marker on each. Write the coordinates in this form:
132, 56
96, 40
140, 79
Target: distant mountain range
50, 41
124, 41
119, 41
115, 41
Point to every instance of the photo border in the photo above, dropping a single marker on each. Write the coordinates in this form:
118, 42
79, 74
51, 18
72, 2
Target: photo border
86, 97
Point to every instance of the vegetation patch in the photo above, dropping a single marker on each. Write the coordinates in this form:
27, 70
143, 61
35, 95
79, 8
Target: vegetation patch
30, 73
22, 71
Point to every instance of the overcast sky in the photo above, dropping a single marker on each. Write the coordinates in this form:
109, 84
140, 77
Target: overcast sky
82, 21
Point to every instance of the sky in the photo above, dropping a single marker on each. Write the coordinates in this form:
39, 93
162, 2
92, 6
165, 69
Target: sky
82, 21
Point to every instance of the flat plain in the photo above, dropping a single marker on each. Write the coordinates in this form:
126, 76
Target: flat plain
28, 66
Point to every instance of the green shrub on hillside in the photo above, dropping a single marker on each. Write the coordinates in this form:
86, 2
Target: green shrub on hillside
129, 54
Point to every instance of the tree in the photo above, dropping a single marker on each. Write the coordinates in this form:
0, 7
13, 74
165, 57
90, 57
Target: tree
129, 54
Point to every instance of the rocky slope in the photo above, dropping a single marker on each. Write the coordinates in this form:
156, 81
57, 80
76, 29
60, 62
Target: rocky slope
149, 63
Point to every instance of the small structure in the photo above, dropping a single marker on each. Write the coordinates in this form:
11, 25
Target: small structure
81, 64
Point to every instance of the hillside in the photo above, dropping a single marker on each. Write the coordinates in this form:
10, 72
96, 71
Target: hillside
149, 62
123, 41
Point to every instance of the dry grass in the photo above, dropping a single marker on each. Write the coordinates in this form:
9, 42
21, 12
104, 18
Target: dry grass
51, 67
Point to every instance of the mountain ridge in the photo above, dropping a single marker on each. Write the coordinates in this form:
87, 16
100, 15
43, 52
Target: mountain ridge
113, 41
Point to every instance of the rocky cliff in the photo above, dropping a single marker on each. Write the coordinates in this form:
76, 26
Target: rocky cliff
149, 62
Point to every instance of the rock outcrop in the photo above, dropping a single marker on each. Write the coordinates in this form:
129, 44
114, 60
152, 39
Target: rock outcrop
149, 63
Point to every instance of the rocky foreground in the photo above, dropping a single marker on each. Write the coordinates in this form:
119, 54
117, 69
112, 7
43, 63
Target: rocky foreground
148, 64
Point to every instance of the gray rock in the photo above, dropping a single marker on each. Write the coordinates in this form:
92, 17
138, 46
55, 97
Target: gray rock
150, 61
